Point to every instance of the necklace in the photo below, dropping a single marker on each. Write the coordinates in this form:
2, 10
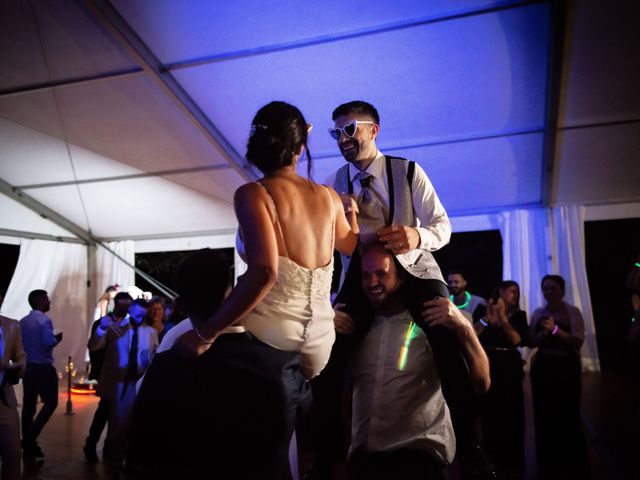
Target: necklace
467, 299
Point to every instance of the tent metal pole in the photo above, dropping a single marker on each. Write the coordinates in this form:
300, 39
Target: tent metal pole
84, 236
45, 212
163, 288
38, 236
109, 17
37, 87
119, 178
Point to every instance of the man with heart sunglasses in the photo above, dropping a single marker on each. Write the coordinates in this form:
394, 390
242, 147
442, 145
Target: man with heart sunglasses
398, 206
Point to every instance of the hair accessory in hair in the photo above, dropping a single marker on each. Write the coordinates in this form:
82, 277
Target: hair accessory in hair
257, 126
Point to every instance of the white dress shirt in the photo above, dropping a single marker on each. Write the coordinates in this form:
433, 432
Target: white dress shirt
433, 223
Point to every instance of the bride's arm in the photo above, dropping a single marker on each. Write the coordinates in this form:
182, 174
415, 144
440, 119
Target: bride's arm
261, 248
347, 229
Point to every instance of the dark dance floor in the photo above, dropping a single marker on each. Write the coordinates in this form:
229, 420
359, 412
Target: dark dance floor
611, 418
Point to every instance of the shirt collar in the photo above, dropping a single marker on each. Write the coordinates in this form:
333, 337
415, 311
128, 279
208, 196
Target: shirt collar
374, 168
126, 320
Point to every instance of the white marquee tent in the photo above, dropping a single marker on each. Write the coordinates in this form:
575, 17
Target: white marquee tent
123, 124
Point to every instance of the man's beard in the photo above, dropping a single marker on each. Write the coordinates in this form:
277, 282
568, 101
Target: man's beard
392, 299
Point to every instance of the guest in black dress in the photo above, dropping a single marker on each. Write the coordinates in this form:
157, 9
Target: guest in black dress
503, 329
557, 329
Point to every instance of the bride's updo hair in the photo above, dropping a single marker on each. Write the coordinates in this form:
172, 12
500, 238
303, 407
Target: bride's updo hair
277, 132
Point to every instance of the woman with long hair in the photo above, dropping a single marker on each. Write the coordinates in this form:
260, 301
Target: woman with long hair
503, 329
288, 229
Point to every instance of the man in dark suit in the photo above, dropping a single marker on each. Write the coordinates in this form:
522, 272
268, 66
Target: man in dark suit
225, 411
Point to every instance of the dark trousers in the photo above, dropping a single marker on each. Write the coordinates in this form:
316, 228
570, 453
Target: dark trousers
448, 357
503, 411
99, 422
405, 464
40, 380
228, 414
561, 449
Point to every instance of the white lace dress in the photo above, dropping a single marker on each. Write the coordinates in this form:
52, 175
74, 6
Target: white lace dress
296, 315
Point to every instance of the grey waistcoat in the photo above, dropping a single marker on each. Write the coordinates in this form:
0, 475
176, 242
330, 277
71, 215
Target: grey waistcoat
399, 181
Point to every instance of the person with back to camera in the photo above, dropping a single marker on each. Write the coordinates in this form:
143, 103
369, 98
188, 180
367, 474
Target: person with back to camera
288, 227
177, 424
557, 329
503, 329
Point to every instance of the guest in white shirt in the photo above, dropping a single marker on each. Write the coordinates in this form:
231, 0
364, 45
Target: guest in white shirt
40, 377
129, 347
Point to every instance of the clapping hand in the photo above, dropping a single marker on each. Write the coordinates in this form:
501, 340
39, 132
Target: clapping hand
547, 324
496, 314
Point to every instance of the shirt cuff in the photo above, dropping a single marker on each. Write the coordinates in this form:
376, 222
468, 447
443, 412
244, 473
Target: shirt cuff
424, 238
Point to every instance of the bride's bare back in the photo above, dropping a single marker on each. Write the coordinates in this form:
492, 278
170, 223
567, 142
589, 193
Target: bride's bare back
306, 212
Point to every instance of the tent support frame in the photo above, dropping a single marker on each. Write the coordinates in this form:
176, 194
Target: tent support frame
109, 17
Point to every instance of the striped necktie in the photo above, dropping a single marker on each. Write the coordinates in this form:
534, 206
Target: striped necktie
372, 216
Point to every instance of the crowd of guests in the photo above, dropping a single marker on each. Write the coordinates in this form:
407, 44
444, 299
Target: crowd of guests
433, 374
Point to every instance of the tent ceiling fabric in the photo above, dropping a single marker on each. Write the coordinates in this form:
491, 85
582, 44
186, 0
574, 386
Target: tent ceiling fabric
462, 88
209, 29
17, 217
48, 41
603, 71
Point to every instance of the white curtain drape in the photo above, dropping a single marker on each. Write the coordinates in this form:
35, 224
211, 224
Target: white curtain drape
60, 269
569, 261
524, 258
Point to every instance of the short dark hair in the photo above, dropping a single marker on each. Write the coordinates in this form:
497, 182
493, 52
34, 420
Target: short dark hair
357, 106
554, 278
278, 131
459, 271
201, 281
379, 246
122, 296
35, 295
111, 288
141, 302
